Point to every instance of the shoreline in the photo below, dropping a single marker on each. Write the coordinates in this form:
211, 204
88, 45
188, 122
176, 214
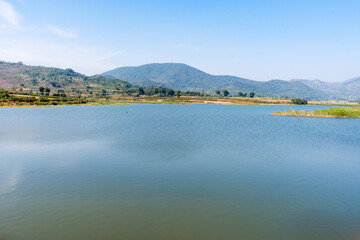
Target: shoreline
180, 101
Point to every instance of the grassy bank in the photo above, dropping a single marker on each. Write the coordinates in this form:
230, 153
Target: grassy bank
196, 100
350, 112
23, 99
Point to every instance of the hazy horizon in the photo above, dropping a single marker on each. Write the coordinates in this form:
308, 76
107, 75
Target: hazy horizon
257, 40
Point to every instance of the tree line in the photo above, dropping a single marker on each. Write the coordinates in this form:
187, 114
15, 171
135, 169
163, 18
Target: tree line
132, 90
226, 93
154, 91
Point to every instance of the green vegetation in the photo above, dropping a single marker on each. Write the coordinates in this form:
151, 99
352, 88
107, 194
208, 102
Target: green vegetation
299, 101
178, 93
186, 78
37, 85
350, 112
170, 76
251, 94
13, 98
42, 86
44, 81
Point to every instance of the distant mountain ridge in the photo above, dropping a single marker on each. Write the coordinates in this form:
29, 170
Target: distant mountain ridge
169, 75
348, 90
187, 78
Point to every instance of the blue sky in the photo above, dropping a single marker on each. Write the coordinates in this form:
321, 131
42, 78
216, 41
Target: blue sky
258, 39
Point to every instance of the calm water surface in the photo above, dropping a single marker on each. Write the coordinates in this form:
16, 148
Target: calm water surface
160, 172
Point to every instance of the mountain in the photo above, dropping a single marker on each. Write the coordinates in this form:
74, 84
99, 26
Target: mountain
352, 87
178, 76
169, 75
347, 90
187, 78
20, 76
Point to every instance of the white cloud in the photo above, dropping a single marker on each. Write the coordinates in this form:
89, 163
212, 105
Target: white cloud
33, 45
84, 58
8, 15
62, 33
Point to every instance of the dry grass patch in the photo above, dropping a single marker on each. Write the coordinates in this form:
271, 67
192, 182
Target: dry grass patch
350, 112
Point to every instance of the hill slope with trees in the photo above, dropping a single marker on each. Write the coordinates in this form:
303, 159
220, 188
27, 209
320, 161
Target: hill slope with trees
187, 78
48, 80
184, 77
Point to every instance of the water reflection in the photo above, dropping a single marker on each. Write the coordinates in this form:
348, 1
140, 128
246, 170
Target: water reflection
177, 172
9, 180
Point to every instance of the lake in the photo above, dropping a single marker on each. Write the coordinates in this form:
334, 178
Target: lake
161, 172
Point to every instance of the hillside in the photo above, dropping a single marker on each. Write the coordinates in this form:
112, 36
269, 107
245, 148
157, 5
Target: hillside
29, 78
178, 76
184, 77
347, 90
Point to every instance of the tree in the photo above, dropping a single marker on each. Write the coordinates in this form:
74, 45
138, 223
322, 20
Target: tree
240, 94
299, 101
226, 93
47, 91
141, 91
79, 95
61, 93
252, 94
41, 89
170, 92
245, 94
217, 92
104, 93
178, 93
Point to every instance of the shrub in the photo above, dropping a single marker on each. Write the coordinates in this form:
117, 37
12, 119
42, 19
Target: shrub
299, 101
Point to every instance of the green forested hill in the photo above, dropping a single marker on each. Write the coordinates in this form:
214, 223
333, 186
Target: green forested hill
178, 76
30, 78
184, 77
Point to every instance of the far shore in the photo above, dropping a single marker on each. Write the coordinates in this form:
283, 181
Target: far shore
183, 100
